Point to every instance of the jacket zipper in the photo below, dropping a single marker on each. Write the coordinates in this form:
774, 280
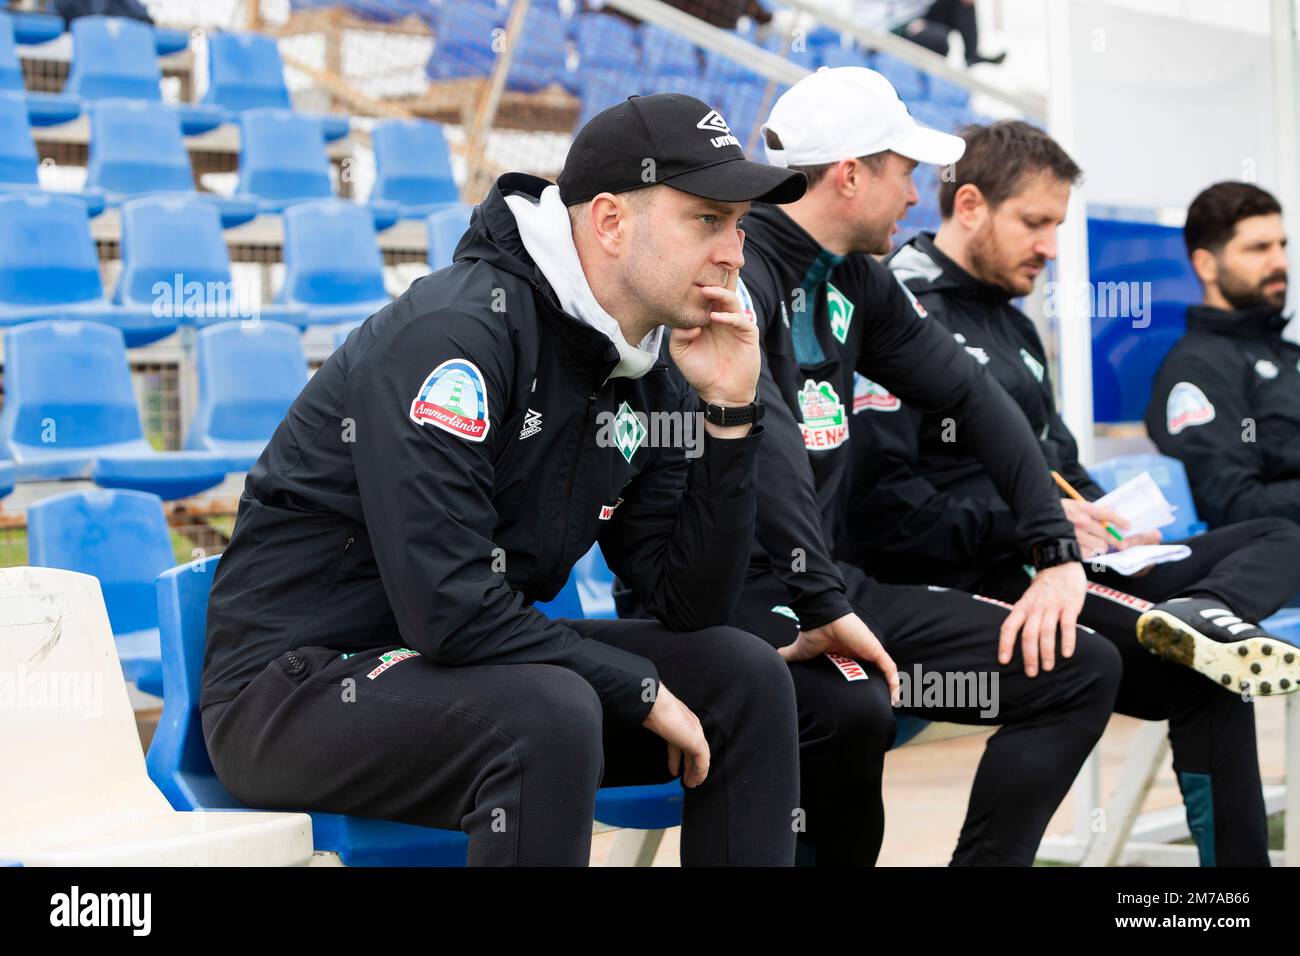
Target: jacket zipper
573, 477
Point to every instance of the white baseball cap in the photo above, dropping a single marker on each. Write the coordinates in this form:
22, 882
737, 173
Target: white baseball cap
850, 111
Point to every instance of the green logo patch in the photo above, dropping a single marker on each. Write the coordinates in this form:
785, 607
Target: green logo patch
840, 310
629, 432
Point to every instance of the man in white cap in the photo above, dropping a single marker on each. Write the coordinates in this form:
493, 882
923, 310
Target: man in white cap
826, 309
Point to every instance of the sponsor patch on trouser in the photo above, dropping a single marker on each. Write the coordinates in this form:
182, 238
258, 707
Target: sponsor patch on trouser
847, 666
1119, 597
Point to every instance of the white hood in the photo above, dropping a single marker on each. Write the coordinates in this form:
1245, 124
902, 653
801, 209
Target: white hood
548, 236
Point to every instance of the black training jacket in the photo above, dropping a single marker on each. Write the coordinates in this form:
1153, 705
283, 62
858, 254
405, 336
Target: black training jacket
926, 506
823, 318
448, 465
1226, 401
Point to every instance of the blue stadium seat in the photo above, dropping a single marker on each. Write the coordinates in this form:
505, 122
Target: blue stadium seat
245, 72
136, 149
605, 41
745, 107
1169, 474
249, 375
332, 265
118, 57
70, 412
121, 538
49, 269
445, 229
282, 161
723, 69
178, 759
948, 93
834, 55
665, 52
464, 33
33, 28
8, 477
164, 237
413, 167
44, 109
907, 79
18, 156
170, 41
794, 48
603, 88
541, 57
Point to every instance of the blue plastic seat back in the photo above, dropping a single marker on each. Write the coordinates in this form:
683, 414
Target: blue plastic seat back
137, 147
602, 88
120, 537
18, 157
445, 229
249, 375
330, 254
907, 79
11, 69
1169, 474
282, 156
541, 47
412, 163
178, 758
463, 35
245, 72
663, 51
46, 253
164, 237
113, 56
67, 386
604, 40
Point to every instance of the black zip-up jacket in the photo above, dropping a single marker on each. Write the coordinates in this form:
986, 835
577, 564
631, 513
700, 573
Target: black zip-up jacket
823, 318
397, 505
1226, 402
926, 505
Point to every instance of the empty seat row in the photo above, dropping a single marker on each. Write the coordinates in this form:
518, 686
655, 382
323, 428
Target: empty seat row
137, 148
49, 268
115, 57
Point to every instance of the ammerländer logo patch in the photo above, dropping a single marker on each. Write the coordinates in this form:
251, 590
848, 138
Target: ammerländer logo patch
454, 399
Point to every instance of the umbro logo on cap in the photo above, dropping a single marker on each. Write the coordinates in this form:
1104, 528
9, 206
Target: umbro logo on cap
713, 122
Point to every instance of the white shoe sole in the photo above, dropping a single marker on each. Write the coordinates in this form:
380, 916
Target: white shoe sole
1260, 666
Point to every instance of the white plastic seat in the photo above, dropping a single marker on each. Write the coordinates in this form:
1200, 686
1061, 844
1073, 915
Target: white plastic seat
75, 791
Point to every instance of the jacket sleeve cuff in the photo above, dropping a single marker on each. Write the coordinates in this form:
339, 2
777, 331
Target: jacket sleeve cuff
821, 608
626, 683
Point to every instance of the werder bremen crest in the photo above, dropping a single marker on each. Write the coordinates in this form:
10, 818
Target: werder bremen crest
629, 433
840, 310
824, 425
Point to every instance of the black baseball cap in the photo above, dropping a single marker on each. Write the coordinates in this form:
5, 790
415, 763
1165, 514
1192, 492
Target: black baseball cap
691, 146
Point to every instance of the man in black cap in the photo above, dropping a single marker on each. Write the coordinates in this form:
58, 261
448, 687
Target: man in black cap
372, 645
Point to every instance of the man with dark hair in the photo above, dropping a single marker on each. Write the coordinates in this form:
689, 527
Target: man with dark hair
826, 308
924, 509
372, 648
1226, 400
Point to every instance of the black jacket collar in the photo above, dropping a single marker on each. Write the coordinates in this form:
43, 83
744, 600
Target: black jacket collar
1257, 323
954, 279
493, 237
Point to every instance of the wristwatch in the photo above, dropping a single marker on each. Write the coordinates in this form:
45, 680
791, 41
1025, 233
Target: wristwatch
720, 415
1057, 551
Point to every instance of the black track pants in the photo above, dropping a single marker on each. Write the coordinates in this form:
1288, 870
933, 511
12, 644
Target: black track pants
513, 754
1048, 724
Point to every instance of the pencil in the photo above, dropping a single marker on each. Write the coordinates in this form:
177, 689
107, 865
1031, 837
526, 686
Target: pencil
1069, 490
